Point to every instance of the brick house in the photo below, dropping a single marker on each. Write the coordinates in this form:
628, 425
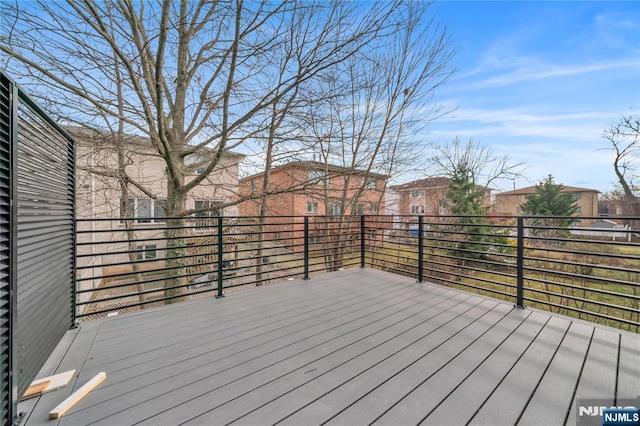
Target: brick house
509, 202
314, 189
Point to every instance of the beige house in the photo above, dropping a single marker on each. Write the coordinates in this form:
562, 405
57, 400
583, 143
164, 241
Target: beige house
508, 203
98, 201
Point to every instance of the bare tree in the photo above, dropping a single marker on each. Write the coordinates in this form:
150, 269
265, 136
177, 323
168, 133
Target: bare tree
373, 110
194, 77
482, 165
382, 100
624, 140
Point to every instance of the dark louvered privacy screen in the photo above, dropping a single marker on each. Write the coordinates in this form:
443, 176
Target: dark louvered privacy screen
37, 246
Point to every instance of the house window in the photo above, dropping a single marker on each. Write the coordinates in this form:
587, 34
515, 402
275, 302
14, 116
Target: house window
314, 239
335, 209
518, 209
418, 193
208, 208
577, 195
374, 208
417, 209
579, 209
369, 183
318, 176
148, 252
312, 207
254, 184
144, 210
358, 209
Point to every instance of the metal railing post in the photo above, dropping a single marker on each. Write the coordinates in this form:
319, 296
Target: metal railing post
220, 259
74, 283
520, 263
306, 248
420, 249
362, 242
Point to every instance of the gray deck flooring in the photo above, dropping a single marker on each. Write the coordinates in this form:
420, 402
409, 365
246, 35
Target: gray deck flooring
352, 347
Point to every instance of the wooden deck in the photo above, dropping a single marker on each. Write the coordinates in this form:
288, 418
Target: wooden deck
352, 347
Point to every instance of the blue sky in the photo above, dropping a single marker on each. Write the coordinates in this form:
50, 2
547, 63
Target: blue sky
540, 81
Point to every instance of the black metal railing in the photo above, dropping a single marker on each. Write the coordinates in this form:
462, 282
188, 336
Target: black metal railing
122, 268
587, 273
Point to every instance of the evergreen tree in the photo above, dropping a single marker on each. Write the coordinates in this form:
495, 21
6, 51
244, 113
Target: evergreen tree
463, 198
550, 200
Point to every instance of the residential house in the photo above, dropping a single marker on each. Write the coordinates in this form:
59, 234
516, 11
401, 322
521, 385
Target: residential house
620, 210
426, 197
315, 189
613, 208
421, 197
98, 199
509, 202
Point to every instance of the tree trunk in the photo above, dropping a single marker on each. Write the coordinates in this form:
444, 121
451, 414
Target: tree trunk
175, 233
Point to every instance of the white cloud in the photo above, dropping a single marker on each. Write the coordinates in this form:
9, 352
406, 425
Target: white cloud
506, 123
610, 21
544, 71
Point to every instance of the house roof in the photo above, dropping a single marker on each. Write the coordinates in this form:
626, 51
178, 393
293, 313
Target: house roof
532, 189
427, 183
317, 165
84, 135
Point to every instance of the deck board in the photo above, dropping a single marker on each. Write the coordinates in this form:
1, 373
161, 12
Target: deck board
598, 379
330, 371
552, 399
519, 384
477, 387
74, 358
350, 347
394, 390
629, 368
356, 389
235, 329
425, 395
286, 357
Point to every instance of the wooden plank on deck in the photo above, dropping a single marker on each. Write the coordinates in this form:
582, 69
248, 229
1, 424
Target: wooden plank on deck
629, 370
598, 378
510, 398
433, 389
167, 363
551, 402
192, 380
74, 358
349, 338
325, 399
476, 388
283, 396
